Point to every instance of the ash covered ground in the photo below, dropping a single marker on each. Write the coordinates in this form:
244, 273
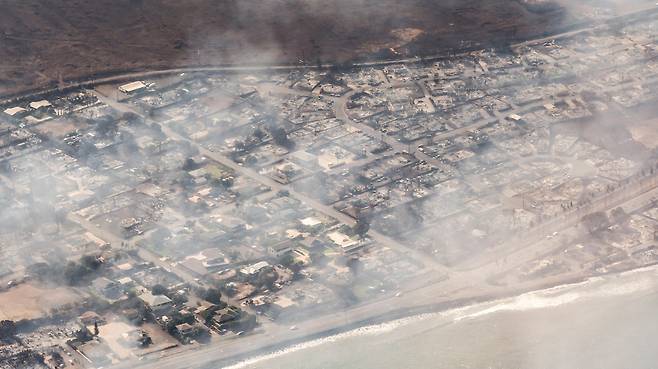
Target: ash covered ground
45, 41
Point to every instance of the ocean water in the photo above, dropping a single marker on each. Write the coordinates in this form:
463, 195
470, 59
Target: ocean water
605, 322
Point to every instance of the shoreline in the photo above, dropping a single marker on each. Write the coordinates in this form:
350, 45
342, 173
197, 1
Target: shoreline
439, 308
263, 350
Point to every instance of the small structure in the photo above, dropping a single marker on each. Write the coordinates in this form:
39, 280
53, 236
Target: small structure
341, 239
311, 223
280, 249
195, 266
137, 337
16, 110
96, 352
254, 268
91, 318
157, 303
347, 244
107, 288
132, 87
185, 330
301, 255
233, 225
283, 302
41, 104
126, 283
206, 261
205, 310
304, 158
514, 117
224, 316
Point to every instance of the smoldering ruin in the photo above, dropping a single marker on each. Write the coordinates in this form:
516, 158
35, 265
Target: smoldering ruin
47, 42
201, 208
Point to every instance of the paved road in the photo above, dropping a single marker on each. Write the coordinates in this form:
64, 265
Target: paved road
314, 204
143, 253
341, 113
276, 186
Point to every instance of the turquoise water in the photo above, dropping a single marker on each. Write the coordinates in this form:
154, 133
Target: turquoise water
607, 322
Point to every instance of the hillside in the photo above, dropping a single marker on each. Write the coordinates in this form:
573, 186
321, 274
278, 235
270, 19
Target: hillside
44, 40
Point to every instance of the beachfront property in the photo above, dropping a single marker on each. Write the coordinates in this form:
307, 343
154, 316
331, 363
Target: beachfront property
208, 202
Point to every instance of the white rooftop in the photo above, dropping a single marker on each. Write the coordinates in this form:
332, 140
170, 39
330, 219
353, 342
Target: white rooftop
154, 300
15, 110
132, 86
254, 268
311, 221
341, 239
40, 104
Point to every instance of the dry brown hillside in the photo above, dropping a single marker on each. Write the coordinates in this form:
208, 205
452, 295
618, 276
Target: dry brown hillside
43, 40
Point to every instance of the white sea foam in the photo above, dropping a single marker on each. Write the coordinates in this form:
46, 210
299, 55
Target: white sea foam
594, 287
369, 330
523, 303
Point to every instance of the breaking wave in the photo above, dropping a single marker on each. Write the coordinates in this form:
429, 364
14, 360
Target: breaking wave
612, 285
595, 287
369, 330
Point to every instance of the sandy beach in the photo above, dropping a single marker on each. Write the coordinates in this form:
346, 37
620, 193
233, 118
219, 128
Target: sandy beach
361, 319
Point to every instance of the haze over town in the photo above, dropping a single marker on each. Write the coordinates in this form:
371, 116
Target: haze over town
208, 184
